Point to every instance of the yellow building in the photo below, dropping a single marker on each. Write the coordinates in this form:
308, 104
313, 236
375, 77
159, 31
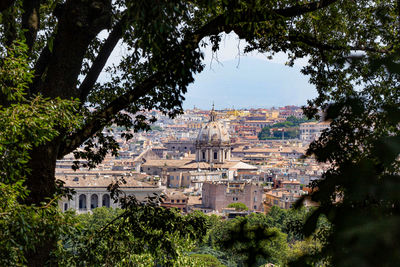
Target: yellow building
194, 125
272, 114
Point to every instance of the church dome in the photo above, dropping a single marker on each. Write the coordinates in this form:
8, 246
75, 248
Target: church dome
213, 133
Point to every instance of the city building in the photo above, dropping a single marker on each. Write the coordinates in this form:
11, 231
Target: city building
309, 131
175, 199
91, 191
218, 195
283, 197
213, 143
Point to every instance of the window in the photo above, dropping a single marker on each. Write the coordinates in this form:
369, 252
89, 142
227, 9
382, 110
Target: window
94, 201
183, 201
204, 155
177, 201
215, 155
255, 207
65, 206
82, 202
235, 199
106, 201
172, 201
171, 177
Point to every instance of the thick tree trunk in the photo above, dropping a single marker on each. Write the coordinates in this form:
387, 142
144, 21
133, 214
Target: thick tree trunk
41, 184
41, 180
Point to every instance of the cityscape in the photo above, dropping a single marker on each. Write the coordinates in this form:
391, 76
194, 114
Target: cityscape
199, 133
206, 160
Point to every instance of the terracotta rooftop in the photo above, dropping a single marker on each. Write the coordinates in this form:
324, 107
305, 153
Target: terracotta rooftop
166, 162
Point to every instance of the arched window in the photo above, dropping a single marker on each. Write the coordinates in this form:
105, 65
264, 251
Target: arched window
65, 206
82, 202
106, 201
204, 155
94, 201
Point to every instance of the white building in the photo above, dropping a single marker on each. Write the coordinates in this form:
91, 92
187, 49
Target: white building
91, 192
213, 143
309, 131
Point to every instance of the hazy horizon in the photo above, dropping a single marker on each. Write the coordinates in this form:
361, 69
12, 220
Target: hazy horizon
249, 83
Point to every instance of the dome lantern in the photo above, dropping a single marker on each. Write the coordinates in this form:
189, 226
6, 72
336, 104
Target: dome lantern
213, 142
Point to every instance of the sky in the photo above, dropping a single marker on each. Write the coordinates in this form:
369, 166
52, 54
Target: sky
250, 81
245, 81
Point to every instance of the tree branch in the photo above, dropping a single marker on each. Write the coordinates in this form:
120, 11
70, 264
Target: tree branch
301, 9
5, 4
40, 69
79, 22
310, 40
9, 22
101, 59
219, 24
102, 117
30, 20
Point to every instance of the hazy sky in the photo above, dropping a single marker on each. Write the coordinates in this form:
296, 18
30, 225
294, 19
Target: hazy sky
242, 82
247, 81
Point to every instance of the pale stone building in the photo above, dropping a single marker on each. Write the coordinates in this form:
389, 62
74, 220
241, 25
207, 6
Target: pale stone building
213, 144
91, 192
310, 131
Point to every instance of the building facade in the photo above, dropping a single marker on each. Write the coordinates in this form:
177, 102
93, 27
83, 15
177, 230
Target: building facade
309, 131
218, 195
91, 192
213, 143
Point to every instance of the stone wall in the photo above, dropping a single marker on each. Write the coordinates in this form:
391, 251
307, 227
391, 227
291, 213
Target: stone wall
219, 195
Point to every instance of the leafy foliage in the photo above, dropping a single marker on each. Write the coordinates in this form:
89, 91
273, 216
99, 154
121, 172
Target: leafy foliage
207, 260
238, 206
26, 123
360, 95
352, 50
289, 129
24, 229
164, 235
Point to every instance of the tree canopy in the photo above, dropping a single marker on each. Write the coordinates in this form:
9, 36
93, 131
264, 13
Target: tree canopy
70, 42
238, 206
53, 102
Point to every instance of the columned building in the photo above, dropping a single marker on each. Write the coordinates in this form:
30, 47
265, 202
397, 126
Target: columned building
213, 144
92, 192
